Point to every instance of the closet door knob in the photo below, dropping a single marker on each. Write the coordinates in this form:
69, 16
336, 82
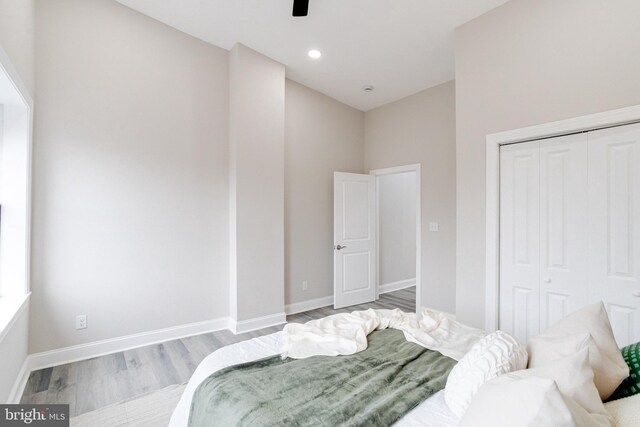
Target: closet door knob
636, 294
547, 280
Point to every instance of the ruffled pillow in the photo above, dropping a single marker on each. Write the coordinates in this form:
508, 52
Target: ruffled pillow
494, 355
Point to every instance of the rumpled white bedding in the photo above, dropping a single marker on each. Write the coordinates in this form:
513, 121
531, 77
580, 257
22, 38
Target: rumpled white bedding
433, 412
346, 333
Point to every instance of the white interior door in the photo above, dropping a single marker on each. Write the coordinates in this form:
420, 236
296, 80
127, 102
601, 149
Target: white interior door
614, 227
354, 229
564, 265
519, 239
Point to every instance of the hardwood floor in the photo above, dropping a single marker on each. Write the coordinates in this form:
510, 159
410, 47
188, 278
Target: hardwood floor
94, 383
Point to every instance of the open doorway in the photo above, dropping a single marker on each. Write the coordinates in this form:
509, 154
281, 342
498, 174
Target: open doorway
398, 234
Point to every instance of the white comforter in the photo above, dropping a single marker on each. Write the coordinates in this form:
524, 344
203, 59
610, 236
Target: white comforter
345, 334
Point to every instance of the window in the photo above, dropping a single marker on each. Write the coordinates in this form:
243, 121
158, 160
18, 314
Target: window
15, 172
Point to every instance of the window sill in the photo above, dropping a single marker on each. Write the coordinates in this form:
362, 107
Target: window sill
10, 308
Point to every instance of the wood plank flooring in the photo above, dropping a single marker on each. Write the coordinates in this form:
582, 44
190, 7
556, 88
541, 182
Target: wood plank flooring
91, 384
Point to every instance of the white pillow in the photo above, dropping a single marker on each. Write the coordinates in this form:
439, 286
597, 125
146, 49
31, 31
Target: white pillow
559, 394
625, 412
493, 355
561, 339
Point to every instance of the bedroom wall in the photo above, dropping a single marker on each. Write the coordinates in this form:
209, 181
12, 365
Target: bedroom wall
525, 63
13, 351
17, 37
421, 129
130, 202
322, 135
397, 228
256, 141
17, 40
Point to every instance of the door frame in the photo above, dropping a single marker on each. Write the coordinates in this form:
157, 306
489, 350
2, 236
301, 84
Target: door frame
585, 123
391, 171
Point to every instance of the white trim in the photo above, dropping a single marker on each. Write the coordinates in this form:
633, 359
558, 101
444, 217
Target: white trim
400, 169
396, 286
299, 307
21, 382
100, 348
7, 66
242, 326
493, 142
10, 70
18, 305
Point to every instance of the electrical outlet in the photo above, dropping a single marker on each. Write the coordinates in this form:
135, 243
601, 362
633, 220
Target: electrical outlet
305, 285
81, 321
433, 226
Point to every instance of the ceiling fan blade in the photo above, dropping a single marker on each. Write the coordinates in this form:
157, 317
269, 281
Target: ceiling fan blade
300, 7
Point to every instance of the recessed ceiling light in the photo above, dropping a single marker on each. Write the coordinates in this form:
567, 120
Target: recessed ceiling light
368, 88
314, 54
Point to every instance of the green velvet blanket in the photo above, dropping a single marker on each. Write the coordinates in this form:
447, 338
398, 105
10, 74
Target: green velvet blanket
375, 387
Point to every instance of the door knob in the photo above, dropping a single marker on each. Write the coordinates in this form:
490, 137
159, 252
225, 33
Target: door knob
340, 247
636, 294
547, 280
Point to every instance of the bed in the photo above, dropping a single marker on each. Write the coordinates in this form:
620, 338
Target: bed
433, 412
486, 375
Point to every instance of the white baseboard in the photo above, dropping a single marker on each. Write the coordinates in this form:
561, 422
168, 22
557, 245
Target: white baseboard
21, 383
396, 286
99, 348
242, 326
75, 353
312, 304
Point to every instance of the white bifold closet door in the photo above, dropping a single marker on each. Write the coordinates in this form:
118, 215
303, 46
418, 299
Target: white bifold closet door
570, 230
520, 239
614, 227
543, 240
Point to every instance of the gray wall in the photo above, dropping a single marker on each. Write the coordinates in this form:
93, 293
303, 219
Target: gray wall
525, 63
17, 37
13, 352
130, 201
322, 135
421, 129
256, 140
396, 227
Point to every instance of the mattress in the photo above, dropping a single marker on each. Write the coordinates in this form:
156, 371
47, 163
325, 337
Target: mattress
433, 412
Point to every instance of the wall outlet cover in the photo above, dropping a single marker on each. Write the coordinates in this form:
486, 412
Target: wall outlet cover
81, 321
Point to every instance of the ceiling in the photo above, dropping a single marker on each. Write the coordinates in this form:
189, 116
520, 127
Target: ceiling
399, 46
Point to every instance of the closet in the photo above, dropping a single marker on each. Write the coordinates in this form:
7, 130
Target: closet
570, 230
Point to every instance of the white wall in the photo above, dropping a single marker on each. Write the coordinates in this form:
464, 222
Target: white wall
397, 227
322, 135
256, 140
130, 209
421, 129
13, 352
17, 37
524, 63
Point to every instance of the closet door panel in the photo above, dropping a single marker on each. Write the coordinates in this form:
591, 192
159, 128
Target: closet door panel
519, 239
563, 227
614, 227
